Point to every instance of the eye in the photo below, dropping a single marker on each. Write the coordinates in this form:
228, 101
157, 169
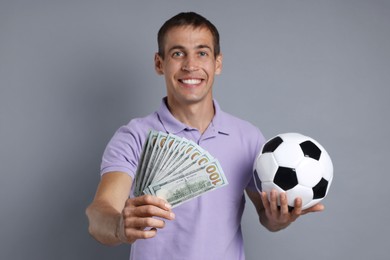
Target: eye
177, 54
203, 54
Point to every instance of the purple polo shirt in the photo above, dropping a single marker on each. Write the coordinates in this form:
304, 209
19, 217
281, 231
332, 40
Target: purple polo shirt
209, 226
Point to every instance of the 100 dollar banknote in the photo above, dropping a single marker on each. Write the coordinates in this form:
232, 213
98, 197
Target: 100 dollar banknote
181, 188
176, 169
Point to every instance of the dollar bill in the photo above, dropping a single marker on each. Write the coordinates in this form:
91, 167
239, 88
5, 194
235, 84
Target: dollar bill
176, 169
156, 158
172, 144
145, 155
184, 160
181, 188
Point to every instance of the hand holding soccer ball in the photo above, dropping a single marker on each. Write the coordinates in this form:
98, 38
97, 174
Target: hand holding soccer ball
297, 165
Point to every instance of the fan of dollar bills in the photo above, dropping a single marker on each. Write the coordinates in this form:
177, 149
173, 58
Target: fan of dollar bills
176, 169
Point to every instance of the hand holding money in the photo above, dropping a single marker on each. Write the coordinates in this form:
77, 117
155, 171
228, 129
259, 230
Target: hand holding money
176, 169
138, 221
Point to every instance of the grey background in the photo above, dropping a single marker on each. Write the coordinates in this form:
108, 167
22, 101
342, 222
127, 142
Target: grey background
72, 72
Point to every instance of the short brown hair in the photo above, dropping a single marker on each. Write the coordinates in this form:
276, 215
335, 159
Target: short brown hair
187, 19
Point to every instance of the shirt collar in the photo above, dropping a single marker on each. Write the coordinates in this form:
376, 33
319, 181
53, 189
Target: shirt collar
174, 126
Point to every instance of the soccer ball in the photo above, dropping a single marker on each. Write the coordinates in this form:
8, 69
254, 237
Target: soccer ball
295, 164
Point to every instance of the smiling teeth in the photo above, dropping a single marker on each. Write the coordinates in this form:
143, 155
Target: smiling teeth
191, 81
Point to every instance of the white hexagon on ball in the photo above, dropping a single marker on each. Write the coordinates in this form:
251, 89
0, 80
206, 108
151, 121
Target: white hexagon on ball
267, 167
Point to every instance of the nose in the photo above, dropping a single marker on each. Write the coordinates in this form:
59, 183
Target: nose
190, 65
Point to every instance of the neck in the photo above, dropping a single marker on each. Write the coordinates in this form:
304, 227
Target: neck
197, 115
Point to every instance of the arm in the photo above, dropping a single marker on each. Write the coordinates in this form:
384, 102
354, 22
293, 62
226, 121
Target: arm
114, 218
274, 218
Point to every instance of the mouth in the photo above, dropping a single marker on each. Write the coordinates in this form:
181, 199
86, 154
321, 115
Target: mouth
191, 81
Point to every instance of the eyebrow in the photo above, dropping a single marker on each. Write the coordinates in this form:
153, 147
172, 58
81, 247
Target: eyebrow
180, 47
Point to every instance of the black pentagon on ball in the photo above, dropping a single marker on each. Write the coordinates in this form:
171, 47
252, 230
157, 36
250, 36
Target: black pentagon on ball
286, 178
319, 191
272, 144
311, 150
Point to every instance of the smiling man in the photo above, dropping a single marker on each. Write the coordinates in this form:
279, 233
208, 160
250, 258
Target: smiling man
209, 226
189, 63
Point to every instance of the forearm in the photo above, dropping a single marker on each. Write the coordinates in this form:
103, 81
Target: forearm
104, 223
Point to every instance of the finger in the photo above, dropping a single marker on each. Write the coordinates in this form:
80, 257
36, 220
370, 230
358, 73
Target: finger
316, 208
142, 223
149, 200
297, 208
283, 204
148, 211
264, 199
274, 201
134, 234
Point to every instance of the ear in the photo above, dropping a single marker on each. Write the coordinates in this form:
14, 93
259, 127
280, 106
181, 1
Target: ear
218, 64
158, 66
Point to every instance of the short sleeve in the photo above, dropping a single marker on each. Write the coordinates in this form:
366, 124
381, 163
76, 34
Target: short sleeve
123, 151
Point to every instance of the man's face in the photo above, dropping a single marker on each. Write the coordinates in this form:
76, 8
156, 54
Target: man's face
189, 65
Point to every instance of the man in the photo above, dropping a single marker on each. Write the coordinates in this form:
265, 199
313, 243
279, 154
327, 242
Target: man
207, 227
